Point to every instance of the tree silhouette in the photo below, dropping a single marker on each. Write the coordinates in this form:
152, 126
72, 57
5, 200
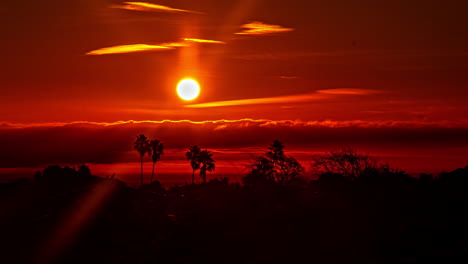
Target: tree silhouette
346, 162
275, 166
141, 145
261, 172
206, 162
156, 149
276, 153
84, 170
192, 155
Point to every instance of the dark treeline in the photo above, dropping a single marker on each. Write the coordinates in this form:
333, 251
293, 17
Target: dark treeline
358, 211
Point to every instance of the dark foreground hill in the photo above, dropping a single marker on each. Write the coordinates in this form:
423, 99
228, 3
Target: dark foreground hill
70, 216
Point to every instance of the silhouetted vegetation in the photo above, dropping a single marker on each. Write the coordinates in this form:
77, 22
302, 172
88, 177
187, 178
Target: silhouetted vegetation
156, 149
200, 160
274, 167
192, 155
207, 163
358, 211
141, 145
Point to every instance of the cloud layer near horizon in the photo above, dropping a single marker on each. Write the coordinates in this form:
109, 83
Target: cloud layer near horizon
90, 142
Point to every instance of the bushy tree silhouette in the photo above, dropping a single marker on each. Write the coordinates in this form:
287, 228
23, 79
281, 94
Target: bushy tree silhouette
141, 145
275, 166
156, 149
346, 162
352, 165
192, 155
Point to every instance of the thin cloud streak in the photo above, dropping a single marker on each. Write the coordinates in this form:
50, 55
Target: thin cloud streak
289, 77
148, 7
204, 41
299, 98
260, 28
266, 100
349, 91
180, 44
128, 49
132, 48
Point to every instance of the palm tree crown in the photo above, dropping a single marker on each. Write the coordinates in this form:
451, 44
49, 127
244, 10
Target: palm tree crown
192, 155
155, 150
207, 163
141, 145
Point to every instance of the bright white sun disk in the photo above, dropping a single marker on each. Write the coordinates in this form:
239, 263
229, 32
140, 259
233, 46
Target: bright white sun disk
188, 89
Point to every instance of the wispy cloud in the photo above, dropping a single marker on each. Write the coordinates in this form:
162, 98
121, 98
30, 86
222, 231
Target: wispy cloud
289, 77
204, 41
337, 55
349, 91
260, 28
132, 48
127, 49
267, 100
298, 98
179, 44
148, 7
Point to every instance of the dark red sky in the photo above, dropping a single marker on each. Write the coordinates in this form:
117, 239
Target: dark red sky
368, 67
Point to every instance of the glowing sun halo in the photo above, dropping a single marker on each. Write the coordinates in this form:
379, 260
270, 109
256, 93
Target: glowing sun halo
188, 89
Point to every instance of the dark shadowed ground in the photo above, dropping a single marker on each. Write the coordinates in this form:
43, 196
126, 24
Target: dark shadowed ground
69, 216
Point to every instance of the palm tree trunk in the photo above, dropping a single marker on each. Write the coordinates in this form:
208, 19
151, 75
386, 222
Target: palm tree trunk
152, 174
141, 174
193, 177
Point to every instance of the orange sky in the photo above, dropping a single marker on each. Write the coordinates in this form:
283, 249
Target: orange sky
360, 64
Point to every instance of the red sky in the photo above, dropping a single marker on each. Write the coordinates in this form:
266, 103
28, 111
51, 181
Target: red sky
387, 77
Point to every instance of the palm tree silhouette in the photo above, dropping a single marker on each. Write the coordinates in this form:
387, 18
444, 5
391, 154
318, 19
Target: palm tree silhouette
192, 155
207, 163
156, 149
141, 145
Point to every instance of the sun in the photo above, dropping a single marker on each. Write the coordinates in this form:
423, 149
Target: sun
188, 89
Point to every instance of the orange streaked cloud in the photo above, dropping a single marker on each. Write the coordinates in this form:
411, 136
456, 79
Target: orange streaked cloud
128, 49
349, 91
267, 100
143, 6
147, 47
260, 28
299, 98
204, 41
179, 44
